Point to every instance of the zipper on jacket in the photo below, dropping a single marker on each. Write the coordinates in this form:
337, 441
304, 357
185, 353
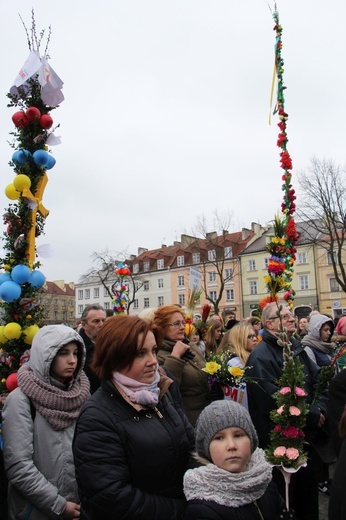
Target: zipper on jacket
258, 509
158, 413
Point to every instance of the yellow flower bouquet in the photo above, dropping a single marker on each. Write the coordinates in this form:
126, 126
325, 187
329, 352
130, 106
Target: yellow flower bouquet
220, 372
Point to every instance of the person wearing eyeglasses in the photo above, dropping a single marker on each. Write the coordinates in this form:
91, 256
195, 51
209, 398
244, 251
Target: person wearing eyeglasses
265, 367
184, 361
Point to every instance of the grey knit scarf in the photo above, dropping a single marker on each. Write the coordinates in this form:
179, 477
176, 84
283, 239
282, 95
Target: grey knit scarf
214, 484
322, 346
59, 407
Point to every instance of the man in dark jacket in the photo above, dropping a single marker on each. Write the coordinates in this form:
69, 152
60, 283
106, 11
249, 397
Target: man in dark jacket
92, 319
266, 362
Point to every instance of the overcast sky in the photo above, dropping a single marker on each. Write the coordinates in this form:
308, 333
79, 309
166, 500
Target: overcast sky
166, 111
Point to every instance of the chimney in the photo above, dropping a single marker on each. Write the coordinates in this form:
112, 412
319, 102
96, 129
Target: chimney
141, 250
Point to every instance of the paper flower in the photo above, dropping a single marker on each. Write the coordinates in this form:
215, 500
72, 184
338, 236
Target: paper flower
293, 410
292, 453
285, 390
299, 391
280, 451
280, 410
291, 431
211, 367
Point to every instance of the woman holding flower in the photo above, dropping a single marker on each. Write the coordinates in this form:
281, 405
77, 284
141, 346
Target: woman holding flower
183, 360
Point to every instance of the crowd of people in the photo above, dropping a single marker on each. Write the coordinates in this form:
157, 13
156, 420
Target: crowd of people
117, 419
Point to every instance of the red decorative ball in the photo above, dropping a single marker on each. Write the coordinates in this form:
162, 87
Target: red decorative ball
20, 119
32, 113
12, 382
46, 121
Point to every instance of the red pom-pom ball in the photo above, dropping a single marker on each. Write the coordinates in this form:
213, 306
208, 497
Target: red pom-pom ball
12, 382
32, 113
20, 119
46, 121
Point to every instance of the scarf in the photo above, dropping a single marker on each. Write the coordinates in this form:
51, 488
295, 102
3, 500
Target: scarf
60, 408
214, 484
145, 394
322, 346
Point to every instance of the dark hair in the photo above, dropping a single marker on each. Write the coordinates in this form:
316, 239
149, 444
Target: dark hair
116, 344
342, 425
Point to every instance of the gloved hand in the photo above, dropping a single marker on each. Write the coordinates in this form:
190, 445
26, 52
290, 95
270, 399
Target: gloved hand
188, 355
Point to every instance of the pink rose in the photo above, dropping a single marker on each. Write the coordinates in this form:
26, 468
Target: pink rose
300, 392
294, 411
292, 453
277, 428
291, 431
280, 410
280, 451
285, 390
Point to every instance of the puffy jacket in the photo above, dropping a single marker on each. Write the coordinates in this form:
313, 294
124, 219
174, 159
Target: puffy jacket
265, 367
192, 381
130, 461
38, 459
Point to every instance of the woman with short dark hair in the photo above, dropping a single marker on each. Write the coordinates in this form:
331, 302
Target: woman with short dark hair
132, 440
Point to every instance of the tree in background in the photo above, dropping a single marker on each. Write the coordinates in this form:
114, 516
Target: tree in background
35, 93
322, 201
104, 272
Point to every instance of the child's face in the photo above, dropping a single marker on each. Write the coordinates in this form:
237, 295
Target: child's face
230, 449
65, 362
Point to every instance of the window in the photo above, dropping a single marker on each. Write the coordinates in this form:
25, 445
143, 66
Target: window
265, 263
228, 274
303, 282
96, 292
135, 268
181, 299
46, 314
64, 317
71, 303
180, 260
252, 265
106, 305
80, 294
56, 301
229, 294
212, 276
196, 258
212, 295
161, 263
80, 309
302, 258
87, 294
160, 283
333, 284
71, 315
160, 301
181, 281
146, 266
55, 315
253, 287
105, 291
330, 257
46, 302
228, 253
146, 286
63, 304
211, 255
146, 303
135, 304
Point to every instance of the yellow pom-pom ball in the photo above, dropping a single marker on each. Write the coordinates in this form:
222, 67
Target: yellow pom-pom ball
12, 330
11, 192
28, 317
29, 333
3, 380
21, 181
3, 338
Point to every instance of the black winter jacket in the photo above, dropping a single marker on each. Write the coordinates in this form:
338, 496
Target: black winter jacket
270, 505
266, 362
130, 464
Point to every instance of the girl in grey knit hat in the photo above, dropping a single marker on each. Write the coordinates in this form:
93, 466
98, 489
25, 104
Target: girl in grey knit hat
234, 481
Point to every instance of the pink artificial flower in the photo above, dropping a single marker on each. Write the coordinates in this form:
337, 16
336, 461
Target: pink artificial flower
285, 390
280, 451
300, 392
291, 431
277, 428
294, 411
292, 453
280, 410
